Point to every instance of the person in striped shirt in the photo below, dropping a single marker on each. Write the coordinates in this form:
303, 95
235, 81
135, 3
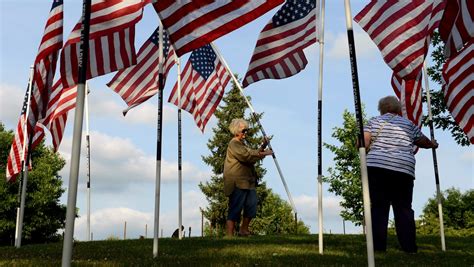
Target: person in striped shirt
390, 140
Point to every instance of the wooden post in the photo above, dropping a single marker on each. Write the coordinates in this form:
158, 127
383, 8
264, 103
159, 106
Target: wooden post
125, 231
146, 230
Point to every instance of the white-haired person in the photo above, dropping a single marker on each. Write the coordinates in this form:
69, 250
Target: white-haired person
389, 140
240, 178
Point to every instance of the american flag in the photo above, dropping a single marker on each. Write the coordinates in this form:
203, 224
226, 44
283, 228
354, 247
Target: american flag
457, 26
44, 69
402, 30
111, 40
410, 94
279, 50
194, 23
203, 81
458, 88
62, 100
138, 83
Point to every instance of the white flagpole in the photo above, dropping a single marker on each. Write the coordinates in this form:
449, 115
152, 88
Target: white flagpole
435, 161
20, 211
88, 145
362, 154
158, 143
77, 136
180, 158
216, 50
320, 127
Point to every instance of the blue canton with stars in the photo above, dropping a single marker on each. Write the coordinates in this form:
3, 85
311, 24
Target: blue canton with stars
155, 38
56, 3
202, 60
293, 10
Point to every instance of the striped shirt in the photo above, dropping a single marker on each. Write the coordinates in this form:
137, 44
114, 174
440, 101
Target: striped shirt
393, 145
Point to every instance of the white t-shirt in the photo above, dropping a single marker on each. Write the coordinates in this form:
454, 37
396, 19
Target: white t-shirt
393, 145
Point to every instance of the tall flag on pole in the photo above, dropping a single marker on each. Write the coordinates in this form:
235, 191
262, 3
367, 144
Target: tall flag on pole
458, 88
194, 23
457, 25
43, 74
279, 50
138, 83
410, 94
111, 40
203, 81
45, 62
401, 30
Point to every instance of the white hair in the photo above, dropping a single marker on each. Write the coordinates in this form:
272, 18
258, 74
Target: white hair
389, 104
237, 125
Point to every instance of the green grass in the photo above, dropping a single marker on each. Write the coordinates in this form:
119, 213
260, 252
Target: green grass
301, 250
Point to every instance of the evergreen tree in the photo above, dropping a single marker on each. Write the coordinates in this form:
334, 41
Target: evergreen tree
234, 106
344, 178
44, 215
442, 118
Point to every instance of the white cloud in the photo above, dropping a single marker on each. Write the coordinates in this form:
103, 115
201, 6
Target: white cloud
468, 156
11, 100
338, 46
110, 221
117, 163
102, 105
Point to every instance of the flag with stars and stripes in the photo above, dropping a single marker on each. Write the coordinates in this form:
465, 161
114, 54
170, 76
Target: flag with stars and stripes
203, 81
402, 31
279, 50
138, 83
194, 23
111, 40
43, 74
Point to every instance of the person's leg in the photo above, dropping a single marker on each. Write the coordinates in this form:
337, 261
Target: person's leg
236, 203
380, 206
250, 211
404, 214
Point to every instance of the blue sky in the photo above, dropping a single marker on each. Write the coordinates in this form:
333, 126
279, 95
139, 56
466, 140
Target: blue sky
123, 148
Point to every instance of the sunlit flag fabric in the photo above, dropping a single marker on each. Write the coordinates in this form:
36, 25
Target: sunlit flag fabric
279, 50
111, 40
458, 88
62, 100
457, 26
138, 83
410, 94
194, 23
401, 30
44, 69
203, 82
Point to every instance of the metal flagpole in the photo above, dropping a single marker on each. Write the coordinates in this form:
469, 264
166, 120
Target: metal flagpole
20, 211
320, 128
216, 50
362, 154
435, 160
158, 143
77, 136
180, 172
88, 146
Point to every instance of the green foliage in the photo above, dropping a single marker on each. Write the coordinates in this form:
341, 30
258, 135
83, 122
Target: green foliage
44, 215
234, 106
458, 214
344, 177
442, 118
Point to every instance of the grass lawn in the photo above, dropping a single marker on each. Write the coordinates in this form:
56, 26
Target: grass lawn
287, 250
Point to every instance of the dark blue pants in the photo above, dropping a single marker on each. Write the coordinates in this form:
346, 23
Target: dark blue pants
392, 188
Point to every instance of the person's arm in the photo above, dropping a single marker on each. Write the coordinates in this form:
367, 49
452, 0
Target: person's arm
245, 154
367, 139
424, 142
